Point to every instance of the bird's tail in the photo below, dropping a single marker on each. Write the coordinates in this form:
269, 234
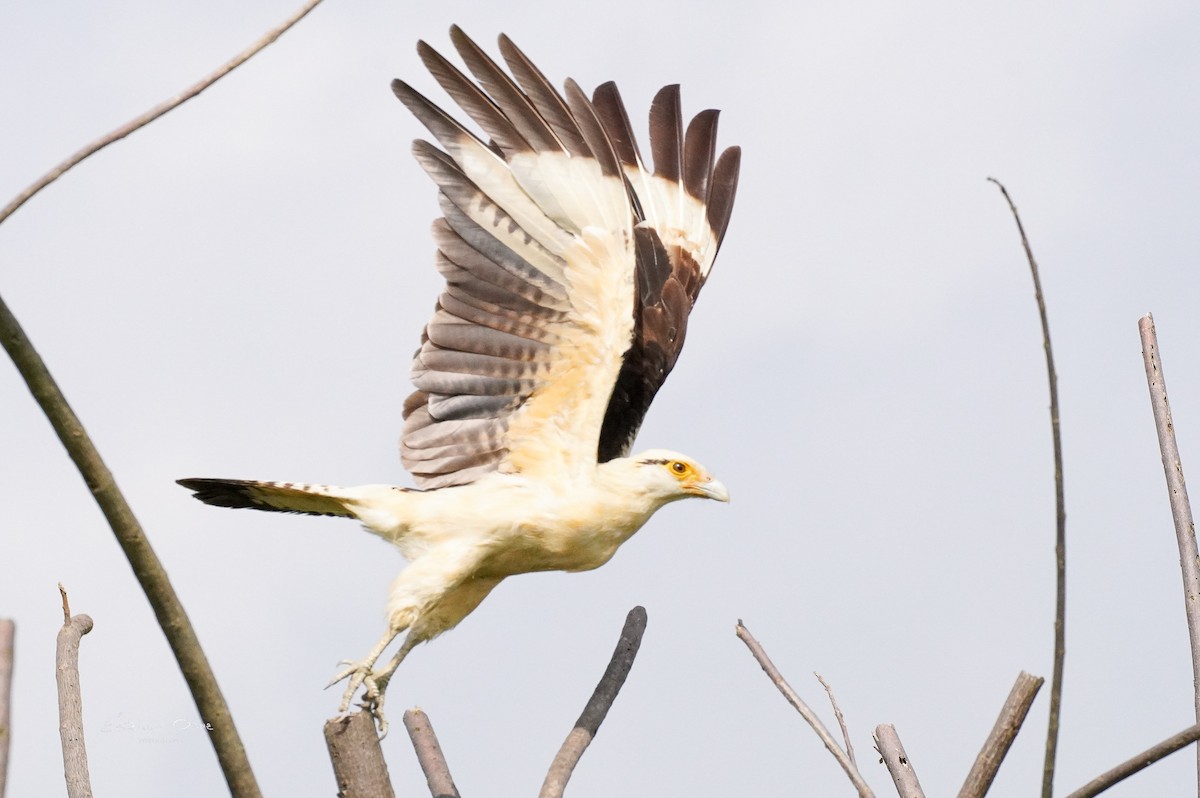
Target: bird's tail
282, 497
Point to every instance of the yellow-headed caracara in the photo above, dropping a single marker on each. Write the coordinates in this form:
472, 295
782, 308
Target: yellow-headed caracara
571, 267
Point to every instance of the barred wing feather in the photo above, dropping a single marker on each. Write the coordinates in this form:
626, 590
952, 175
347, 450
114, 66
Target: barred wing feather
570, 268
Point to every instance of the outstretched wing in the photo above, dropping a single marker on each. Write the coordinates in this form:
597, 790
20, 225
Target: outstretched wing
570, 269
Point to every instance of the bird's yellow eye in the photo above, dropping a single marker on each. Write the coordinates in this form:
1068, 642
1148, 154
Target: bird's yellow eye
679, 468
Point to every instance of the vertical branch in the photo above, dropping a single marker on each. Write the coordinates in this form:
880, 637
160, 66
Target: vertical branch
1060, 540
7, 634
429, 755
70, 702
888, 744
358, 763
1181, 508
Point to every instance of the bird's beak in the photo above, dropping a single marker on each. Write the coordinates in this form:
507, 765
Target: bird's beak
710, 489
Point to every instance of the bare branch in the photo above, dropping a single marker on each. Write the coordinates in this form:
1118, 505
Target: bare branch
8, 631
995, 748
841, 719
358, 763
146, 565
887, 742
70, 705
597, 706
66, 603
809, 716
429, 754
1181, 508
1142, 760
157, 111
1060, 540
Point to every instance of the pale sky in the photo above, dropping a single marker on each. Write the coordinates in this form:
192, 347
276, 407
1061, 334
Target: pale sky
236, 291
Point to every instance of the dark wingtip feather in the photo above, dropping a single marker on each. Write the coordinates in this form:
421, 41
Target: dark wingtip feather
606, 99
472, 99
666, 132
545, 97
593, 130
505, 93
699, 149
722, 189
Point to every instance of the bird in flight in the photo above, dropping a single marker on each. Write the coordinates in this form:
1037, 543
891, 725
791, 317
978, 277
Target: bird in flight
571, 266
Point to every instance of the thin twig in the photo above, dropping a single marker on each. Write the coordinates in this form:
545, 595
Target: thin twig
155, 112
995, 748
66, 603
888, 744
8, 631
597, 706
70, 705
1142, 760
429, 755
809, 716
1060, 538
841, 719
146, 567
358, 763
1181, 508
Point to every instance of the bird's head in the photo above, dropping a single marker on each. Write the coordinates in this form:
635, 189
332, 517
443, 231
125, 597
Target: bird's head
669, 476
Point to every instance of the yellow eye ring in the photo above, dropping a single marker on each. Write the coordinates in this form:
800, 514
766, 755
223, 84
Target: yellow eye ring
679, 468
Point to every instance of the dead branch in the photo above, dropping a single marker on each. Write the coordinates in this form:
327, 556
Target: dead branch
429, 755
995, 748
888, 744
597, 706
1181, 508
8, 631
1142, 760
1060, 540
155, 112
809, 716
358, 763
146, 566
70, 705
841, 719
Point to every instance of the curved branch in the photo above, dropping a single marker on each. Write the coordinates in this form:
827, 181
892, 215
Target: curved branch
1060, 540
70, 705
597, 706
1142, 760
146, 565
809, 716
155, 112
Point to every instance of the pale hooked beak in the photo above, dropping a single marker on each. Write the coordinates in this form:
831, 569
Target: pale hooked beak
709, 489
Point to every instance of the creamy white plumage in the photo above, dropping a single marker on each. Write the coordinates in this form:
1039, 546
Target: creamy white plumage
571, 269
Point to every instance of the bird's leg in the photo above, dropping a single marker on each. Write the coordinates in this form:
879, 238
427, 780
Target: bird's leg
378, 680
359, 673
